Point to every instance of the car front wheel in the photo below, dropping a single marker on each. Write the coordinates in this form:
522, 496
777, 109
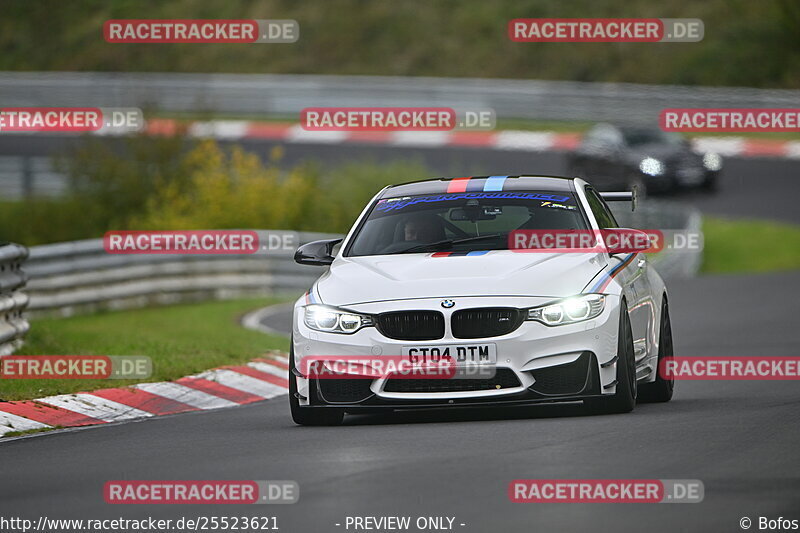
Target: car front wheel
624, 399
661, 389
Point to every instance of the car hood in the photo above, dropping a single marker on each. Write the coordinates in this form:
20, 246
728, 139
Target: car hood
354, 280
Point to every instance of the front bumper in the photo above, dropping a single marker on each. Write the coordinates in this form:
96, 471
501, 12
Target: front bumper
535, 363
680, 178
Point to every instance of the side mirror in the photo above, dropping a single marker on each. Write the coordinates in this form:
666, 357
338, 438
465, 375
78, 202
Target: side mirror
627, 240
318, 253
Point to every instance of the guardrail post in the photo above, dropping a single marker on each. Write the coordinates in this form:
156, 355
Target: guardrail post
13, 325
27, 178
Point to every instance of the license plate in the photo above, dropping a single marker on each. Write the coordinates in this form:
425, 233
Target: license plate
482, 354
690, 172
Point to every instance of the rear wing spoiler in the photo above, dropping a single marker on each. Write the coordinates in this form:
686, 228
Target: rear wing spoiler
627, 196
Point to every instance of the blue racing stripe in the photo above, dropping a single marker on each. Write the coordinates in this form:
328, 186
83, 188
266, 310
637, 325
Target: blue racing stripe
609, 275
494, 183
479, 252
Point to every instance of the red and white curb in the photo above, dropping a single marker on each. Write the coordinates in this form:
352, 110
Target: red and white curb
518, 140
229, 386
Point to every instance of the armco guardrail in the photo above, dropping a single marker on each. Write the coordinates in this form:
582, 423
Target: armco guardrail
288, 94
671, 218
76, 277
12, 278
25, 176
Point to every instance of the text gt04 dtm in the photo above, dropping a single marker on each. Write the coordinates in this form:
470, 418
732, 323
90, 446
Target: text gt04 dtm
427, 274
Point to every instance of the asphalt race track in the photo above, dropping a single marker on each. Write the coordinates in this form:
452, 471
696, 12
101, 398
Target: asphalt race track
740, 438
750, 187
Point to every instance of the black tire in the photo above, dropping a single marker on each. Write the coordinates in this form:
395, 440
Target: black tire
624, 399
661, 389
309, 416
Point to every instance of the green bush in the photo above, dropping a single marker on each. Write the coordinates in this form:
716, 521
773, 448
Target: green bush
236, 190
153, 183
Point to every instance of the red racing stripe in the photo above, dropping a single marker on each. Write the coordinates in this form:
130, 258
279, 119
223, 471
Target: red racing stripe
266, 130
146, 401
216, 389
382, 137
263, 376
273, 362
471, 138
458, 185
566, 141
764, 147
614, 271
48, 414
162, 126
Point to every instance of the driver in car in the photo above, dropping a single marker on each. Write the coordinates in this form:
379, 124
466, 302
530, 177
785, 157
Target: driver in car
424, 228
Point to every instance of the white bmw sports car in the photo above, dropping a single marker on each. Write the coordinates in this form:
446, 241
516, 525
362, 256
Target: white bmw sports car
427, 273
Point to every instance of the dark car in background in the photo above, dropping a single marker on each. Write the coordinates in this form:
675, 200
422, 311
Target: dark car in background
655, 161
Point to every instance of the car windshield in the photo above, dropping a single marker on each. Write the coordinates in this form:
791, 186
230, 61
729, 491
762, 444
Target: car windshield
461, 222
641, 136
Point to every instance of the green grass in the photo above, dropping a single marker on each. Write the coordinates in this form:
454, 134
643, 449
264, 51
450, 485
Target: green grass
180, 339
502, 123
738, 246
746, 43
524, 124
29, 432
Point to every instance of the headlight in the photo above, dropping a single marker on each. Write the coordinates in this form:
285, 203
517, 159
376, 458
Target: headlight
333, 320
651, 166
569, 311
712, 161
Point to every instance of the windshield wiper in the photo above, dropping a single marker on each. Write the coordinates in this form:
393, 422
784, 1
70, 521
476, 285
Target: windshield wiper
447, 243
